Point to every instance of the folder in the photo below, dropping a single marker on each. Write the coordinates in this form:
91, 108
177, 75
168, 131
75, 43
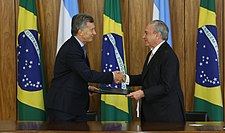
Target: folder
110, 90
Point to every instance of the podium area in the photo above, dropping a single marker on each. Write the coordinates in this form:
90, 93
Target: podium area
97, 126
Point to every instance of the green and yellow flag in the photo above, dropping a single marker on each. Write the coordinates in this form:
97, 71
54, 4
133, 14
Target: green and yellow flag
114, 107
30, 79
208, 97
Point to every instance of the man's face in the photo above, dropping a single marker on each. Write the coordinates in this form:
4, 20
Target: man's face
150, 36
88, 33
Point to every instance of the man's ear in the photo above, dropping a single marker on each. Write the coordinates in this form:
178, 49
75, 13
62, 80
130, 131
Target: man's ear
80, 32
158, 35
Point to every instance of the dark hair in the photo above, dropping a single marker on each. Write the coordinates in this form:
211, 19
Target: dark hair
161, 27
79, 21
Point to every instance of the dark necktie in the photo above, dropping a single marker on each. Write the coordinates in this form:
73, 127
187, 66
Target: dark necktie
146, 60
84, 49
150, 57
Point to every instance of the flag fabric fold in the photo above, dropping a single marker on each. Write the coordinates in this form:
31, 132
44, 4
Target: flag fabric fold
68, 8
161, 11
30, 78
207, 96
114, 107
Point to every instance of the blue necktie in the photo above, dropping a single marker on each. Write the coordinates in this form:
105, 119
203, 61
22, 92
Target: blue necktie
84, 49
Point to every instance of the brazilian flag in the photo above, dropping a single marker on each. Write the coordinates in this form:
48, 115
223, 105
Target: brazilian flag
30, 79
114, 107
208, 97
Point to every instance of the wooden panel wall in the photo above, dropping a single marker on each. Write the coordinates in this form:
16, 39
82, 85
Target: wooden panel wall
7, 60
48, 12
136, 15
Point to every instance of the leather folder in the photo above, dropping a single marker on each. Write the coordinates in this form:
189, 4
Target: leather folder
110, 90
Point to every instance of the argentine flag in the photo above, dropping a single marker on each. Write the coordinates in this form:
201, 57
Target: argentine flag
68, 9
161, 11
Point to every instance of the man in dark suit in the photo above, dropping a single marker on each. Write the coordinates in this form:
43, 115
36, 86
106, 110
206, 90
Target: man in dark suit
161, 95
68, 96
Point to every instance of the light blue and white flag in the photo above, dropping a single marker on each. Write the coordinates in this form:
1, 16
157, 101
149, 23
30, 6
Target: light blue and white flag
161, 11
68, 9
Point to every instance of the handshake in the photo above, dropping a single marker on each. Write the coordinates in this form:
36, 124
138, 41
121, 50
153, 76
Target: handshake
119, 77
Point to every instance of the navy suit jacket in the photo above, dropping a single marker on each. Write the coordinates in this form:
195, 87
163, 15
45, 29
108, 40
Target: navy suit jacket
160, 81
69, 88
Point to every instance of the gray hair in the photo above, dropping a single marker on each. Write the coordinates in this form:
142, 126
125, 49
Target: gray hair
79, 21
161, 27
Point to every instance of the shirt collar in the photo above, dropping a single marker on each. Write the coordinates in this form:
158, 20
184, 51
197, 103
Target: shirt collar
157, 47
81, 44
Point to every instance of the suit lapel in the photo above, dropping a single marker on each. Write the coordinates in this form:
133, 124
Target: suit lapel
148, 66
146, 63
86, 60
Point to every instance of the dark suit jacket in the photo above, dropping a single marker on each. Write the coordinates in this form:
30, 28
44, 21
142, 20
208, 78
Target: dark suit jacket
69, 88
160, 81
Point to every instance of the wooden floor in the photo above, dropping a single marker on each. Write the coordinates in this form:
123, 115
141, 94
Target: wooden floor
93, 126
